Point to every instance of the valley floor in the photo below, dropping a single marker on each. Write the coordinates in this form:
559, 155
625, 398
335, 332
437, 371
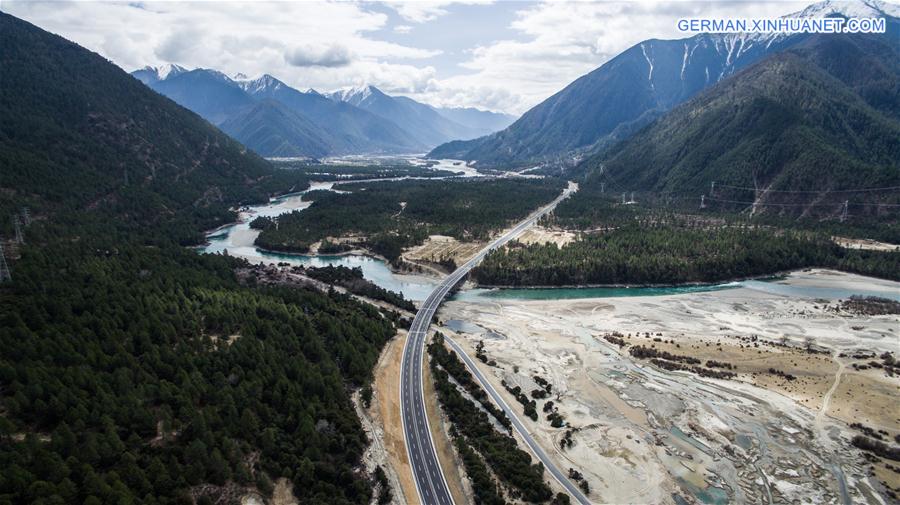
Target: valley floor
645, 434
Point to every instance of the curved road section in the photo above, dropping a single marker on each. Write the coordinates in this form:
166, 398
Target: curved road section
430, 482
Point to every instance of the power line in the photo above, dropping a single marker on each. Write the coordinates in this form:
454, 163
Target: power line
18, 227
5, 274
833, 204
863, 190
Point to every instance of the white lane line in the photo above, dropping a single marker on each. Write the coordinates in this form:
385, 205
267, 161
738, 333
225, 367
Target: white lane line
415, 342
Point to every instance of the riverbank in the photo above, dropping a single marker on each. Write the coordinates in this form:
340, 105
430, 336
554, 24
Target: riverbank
644, 432
774, 276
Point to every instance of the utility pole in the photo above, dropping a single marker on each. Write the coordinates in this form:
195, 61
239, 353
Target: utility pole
5, 274
844, 211
26, 216
602, 187
18, 226
702, 201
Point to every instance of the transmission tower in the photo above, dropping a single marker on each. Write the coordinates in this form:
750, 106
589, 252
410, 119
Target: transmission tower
623, 199
844, 211
602, 187
702, 201
712, 188
18, 226
26, 216
632, 198
5, 274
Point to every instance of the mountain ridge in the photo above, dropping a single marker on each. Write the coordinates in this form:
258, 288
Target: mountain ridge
780, 125
340, 128
429, 125
105, 140
629, 91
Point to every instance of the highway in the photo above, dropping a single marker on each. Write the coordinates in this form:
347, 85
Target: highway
431, 484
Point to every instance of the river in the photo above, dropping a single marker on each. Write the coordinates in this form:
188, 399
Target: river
238, 240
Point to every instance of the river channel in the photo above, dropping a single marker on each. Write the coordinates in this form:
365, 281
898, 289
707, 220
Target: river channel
238, 240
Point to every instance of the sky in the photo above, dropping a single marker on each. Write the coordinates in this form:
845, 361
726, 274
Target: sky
504, 56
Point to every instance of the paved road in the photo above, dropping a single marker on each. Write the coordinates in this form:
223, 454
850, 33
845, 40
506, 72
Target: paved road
517, 424
430, 482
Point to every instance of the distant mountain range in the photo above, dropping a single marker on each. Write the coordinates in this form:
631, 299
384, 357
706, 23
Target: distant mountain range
274, 119
432, 126
635, 88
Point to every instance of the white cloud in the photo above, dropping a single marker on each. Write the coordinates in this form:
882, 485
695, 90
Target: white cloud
333, 55
326, 45
421, 11
321, 45
561, 41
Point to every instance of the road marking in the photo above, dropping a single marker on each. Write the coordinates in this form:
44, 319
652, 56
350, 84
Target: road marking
413, 350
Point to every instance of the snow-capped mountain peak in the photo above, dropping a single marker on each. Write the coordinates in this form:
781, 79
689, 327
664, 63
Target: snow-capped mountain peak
356, 94
167, 70
264, 83
850, 9
151, 74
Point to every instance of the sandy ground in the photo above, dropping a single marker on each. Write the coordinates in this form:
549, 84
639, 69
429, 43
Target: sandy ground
543, 235
437, 247
283, 494
646, 433
873, 245
384, 414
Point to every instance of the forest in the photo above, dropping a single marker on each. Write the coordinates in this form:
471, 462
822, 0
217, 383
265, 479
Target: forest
668, 254
346, 172
352, 279
390, 216
597, 205
135, 370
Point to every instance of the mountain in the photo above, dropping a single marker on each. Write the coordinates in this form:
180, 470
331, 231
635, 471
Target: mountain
782, 124
80, 133
149, 75
349, 129
271, 128
482, 121
209, 93
429, 126
315, 125
637, 86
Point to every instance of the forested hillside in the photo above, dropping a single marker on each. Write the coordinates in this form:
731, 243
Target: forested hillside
134, 370
78, 132
783, 124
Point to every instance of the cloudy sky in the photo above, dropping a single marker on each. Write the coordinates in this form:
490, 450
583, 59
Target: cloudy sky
503, 56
